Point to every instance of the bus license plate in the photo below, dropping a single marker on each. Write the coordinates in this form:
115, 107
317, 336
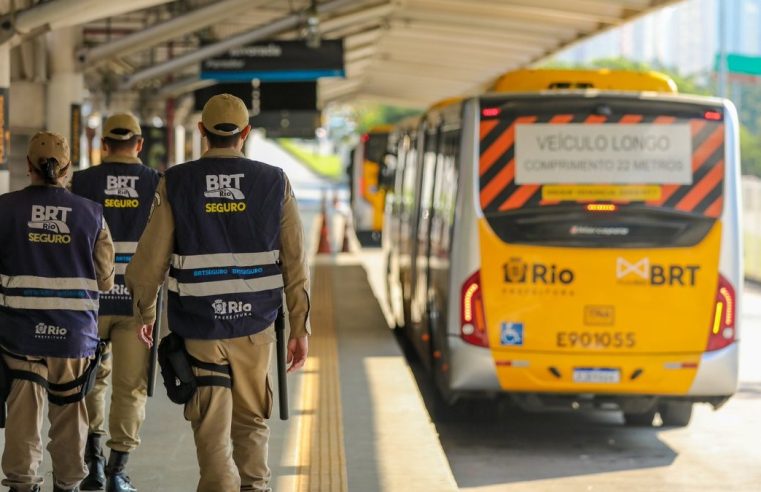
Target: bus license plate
590, 375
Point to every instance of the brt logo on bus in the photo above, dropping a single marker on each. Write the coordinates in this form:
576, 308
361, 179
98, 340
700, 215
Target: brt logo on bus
643, 272
517, 271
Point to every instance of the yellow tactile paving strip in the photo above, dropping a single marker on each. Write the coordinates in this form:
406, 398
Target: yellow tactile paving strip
321, 442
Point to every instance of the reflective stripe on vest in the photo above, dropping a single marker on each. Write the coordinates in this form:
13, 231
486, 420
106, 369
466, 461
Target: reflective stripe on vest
221, 287
58, 283
48, 303
125, 247
225, 261
221, 260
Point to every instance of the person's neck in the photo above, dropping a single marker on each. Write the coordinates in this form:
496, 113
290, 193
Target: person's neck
41, 182
116, 155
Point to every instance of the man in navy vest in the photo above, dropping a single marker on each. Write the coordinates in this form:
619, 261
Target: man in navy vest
125, 188
228, 230
56, 254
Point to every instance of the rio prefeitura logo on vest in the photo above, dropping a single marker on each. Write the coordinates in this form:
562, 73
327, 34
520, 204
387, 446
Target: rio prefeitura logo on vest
231, 309
48, 225
124, 187
226, 187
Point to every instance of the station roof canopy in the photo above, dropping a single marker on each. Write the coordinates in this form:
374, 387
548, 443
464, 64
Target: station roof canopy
410, 52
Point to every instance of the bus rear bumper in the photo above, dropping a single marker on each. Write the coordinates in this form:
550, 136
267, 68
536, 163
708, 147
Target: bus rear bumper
717, 373
472, 368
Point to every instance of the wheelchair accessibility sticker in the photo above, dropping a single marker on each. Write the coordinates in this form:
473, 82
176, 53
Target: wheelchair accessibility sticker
511, 334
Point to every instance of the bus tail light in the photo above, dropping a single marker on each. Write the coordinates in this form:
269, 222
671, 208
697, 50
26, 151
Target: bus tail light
472, 319
723, 322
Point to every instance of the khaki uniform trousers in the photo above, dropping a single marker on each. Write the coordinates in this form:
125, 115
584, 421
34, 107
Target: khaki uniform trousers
229, 426
23, 429
126, 361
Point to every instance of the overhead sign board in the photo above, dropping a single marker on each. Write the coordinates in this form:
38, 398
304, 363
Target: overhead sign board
277, 61
740, 64
76, 134
287, 124
266, 96
5, 134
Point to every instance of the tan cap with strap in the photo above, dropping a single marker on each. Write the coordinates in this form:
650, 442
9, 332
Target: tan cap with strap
121, 126
45, 145
225, 115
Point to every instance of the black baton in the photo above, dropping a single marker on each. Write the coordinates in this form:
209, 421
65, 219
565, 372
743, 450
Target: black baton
155, 347
282, 383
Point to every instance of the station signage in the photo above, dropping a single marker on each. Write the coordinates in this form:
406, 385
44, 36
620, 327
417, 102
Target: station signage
155, 153
287, 124
277, 61
5, 134
265, 96
75, 137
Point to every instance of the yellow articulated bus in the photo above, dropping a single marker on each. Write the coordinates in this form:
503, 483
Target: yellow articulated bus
367, 195
572, 245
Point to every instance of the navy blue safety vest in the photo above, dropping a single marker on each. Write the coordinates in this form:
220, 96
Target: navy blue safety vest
49, 293
225, 279
126, 193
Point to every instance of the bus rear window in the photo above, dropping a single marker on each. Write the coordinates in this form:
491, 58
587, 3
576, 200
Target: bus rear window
376, 146
602, 172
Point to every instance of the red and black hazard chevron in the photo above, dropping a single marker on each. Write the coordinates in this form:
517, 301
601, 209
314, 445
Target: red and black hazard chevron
500, 193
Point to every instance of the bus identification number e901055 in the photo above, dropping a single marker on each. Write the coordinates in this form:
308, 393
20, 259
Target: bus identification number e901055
596, 340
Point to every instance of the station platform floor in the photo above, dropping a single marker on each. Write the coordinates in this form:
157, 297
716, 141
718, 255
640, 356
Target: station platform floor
358, 422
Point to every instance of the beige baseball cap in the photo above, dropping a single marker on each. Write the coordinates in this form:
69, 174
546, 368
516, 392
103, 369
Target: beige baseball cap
45, 145
121, 126
222, 111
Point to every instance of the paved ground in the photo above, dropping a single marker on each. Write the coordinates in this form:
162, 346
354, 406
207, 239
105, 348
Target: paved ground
596, 452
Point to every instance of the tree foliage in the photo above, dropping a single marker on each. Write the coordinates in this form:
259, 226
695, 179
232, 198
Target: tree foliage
368, 116
747, 98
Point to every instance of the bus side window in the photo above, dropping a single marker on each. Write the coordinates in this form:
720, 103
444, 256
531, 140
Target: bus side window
446, 186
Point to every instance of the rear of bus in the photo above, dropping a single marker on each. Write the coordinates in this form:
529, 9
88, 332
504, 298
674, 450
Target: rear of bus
368, 195
608, 244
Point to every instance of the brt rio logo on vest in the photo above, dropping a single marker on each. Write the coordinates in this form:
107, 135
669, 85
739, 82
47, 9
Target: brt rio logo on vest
226, 186
121, 186
52, 220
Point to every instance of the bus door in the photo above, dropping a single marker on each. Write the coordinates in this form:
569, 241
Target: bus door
429, 160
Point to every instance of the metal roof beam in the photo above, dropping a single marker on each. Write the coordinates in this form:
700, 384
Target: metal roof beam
564, 16
262, 32
155, 34
476, 42
452, 30
488, 21
61, 13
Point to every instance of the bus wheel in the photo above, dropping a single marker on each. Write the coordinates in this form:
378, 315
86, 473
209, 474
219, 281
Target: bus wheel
640, 419
676, 413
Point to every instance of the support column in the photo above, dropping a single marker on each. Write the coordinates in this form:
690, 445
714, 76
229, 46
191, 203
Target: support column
66, 84
5, 84
197, 143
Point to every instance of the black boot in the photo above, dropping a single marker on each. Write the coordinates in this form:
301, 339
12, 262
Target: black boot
116, 479
56, 488
96, 464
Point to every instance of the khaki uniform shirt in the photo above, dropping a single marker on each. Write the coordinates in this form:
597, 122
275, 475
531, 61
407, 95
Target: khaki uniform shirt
121, 159
103, 258
149, 265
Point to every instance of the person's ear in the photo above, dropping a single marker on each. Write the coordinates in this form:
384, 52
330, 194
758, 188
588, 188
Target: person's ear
244, 133
201, 129
103, 145
139, 146
29, 167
